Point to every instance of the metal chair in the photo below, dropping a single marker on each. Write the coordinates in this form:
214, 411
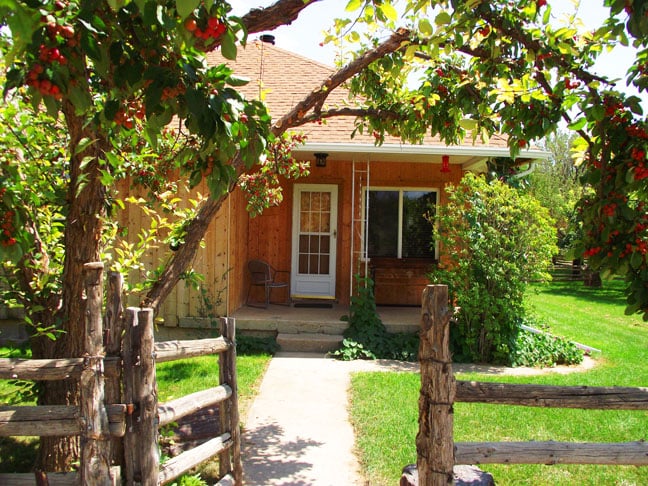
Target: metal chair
262, 274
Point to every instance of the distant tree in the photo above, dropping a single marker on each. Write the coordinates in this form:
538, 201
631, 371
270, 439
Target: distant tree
556, 184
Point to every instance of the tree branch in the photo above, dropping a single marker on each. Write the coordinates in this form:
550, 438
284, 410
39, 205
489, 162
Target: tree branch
183, 256
283, 12
318, 95
347, 111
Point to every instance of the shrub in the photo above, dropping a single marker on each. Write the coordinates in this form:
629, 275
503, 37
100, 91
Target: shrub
496, 240
248, 345
543, 349
366, 337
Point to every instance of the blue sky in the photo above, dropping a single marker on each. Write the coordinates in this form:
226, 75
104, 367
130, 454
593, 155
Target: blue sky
306, 33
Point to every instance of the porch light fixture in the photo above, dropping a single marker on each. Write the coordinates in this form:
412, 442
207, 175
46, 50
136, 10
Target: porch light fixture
445, 163
320, 159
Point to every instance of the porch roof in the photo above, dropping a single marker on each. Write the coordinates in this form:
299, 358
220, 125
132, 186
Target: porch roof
471, 158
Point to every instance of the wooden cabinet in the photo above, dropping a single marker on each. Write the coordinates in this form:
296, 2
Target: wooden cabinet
399, 281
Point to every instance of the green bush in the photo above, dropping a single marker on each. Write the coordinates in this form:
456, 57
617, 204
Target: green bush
366, 337
495, 240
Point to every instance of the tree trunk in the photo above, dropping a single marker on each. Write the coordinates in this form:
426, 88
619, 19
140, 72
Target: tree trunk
86, 210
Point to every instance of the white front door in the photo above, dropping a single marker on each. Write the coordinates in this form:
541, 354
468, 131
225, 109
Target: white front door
314, 241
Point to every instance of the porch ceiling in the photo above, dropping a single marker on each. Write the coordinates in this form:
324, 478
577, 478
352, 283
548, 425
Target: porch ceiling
469, 157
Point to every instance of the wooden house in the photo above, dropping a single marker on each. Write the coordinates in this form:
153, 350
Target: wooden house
359, 212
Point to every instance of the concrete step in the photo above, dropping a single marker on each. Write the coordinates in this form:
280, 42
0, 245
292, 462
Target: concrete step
309, 342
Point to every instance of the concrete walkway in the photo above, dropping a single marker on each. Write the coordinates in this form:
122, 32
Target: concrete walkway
297, 431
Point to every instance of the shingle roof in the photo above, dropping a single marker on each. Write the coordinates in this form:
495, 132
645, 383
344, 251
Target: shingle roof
282, 78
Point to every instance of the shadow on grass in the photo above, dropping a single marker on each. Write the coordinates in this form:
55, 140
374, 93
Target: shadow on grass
610, 293
17, 455
173, 372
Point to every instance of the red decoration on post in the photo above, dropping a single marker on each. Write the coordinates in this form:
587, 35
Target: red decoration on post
445, 163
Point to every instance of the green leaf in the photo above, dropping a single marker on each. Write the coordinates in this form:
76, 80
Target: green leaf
186, 7
597, 112
228, 45
468, 124
389, 11
237, 81
410, 52
634, 103
425, 27
51, 105
353, 5
116, 5
578, 124
22, 22
106, 178
443, 18
629, 177
547, 15
636, 260
112, 159
83, 144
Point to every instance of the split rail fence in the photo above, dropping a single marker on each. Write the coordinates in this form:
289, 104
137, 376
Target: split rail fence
119, 416
437, 453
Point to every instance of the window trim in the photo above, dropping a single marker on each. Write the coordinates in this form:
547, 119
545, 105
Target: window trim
399, 244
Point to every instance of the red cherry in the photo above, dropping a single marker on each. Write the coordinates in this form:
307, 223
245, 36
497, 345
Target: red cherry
67, 31
190, 24
54, 54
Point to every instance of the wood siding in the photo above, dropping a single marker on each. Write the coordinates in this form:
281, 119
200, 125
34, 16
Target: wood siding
234, 238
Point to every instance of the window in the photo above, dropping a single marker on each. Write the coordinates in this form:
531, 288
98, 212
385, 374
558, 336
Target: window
399, 223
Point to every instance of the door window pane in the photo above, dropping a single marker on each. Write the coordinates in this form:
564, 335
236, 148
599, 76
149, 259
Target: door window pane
382, 232
418, 214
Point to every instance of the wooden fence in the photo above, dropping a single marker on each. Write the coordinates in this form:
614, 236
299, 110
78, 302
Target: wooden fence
437, 452
119, 415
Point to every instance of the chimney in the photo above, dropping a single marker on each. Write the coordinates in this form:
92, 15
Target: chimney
269, 39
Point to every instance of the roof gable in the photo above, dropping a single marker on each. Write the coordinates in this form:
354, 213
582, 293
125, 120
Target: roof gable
282, 78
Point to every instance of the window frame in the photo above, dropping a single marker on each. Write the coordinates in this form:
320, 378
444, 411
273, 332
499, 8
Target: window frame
399, 245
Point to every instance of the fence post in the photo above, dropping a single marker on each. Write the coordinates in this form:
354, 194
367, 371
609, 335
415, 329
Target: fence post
229, 409
142, 458
95, 435
113, 327
130, 360
434, 441
147, 398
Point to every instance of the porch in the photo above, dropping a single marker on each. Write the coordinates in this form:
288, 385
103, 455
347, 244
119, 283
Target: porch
315, 329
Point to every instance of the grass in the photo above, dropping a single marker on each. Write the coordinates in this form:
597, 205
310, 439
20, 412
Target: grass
384, 406
182, 377
175, 379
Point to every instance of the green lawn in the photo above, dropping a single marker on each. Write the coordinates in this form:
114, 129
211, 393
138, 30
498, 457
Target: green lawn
384, 406
175, 379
